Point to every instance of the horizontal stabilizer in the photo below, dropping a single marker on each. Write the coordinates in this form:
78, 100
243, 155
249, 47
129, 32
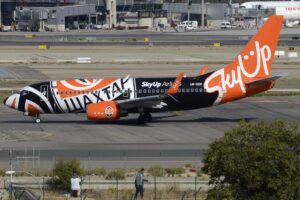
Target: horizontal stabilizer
272, 78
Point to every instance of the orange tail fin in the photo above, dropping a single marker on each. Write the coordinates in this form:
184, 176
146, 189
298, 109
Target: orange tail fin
253, 63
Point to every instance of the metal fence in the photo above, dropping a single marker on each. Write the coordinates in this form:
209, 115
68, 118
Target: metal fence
157, 188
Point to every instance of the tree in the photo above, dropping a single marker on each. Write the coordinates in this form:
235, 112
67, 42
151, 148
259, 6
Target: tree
63, 171
255, 161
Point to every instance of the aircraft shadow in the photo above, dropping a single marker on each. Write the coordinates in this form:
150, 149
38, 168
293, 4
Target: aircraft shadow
133, 122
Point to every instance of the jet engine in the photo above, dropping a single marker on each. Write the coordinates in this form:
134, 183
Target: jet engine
107, 110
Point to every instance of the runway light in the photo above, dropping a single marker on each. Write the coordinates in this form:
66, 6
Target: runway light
146, 39
217, 44
29, 35
43, 46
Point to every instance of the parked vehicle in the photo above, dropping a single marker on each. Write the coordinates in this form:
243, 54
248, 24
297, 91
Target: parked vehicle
188, 25
226, 25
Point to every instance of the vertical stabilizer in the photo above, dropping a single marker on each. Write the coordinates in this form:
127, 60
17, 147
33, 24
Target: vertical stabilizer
253, 63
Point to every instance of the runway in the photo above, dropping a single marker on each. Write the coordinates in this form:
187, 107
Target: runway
172, 139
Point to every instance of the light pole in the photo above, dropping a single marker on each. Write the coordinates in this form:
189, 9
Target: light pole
189, 7
202, 13
0, 14
10, 173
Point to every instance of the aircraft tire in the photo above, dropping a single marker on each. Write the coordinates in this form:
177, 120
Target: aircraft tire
148, 117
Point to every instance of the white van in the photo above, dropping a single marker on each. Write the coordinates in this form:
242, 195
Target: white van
225, 25
188, 25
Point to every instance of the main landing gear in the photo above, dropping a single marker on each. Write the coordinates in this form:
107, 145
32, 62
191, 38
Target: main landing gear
144, 118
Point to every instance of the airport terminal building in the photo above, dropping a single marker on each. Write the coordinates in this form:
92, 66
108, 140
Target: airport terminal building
62, 15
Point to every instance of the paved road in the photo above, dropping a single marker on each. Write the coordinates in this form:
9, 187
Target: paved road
289, 37
172, 139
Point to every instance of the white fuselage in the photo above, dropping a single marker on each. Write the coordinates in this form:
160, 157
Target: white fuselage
289, 9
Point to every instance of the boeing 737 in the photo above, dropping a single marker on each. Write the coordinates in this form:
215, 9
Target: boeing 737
290, 10
111, 99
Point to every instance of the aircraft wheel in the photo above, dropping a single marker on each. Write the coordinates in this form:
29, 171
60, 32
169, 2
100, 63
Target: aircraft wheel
144, 118
148, 117
37, 120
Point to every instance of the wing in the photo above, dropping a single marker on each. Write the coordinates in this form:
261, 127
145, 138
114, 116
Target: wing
155, 101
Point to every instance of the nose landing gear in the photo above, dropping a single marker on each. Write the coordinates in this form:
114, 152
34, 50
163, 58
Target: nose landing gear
37, 119
37, 116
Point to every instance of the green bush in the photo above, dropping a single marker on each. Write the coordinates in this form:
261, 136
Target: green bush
116, 174
175, 171
199, 173
2, 173
156, 171
62, 173
179, 171
170, 172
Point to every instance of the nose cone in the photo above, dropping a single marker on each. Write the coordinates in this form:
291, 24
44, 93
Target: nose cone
12, 101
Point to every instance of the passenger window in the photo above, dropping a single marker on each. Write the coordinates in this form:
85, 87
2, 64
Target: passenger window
187, 90
192, 89
149, 91
196, 90
153, 91
140, 91
157, 91
183, 90
144, 91
162, 91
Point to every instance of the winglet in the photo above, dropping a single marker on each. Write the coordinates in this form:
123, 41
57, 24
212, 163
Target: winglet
204, 70
175, 86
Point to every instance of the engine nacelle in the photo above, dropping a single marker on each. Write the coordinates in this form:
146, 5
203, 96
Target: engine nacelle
107, 110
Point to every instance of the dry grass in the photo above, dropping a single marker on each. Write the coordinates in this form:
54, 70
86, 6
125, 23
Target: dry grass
171, 193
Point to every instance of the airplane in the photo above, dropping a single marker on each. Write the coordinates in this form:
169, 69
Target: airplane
113, 98
289, 9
